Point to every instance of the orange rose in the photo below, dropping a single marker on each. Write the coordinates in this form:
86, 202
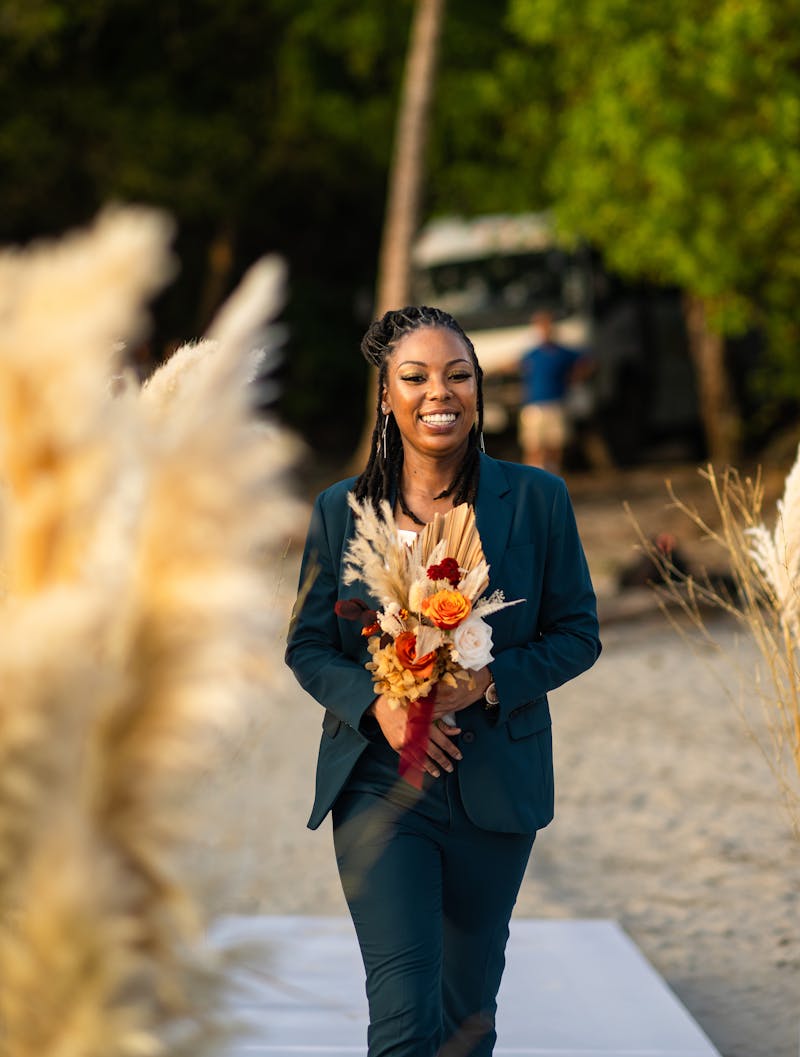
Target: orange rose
405, 646
446, 609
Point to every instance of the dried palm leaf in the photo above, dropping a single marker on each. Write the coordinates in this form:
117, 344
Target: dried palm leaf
458, 533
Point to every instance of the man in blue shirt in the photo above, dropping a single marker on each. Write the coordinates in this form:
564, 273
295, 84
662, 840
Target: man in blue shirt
547, 372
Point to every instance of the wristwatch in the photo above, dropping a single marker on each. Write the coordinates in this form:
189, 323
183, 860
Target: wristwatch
490, 698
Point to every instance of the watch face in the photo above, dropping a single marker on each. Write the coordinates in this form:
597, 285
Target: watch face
491, 694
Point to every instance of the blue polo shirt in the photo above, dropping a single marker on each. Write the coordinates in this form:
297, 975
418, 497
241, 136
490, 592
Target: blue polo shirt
545, 372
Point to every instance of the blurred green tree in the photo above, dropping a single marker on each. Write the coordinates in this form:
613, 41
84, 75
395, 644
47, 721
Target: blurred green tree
258, 125
495, 111
666, 135
675, 149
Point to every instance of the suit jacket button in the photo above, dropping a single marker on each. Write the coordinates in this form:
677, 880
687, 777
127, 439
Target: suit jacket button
468, 737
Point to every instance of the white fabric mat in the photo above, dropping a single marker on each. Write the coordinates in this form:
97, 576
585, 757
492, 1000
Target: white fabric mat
571, 989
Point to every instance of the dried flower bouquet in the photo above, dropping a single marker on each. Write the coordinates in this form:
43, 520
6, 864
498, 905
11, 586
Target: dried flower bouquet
430, 626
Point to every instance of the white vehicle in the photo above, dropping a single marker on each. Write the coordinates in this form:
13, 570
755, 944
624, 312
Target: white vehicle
492, 273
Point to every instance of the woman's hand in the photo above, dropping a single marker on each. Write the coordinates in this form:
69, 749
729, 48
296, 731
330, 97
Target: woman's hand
454, 698
441, 750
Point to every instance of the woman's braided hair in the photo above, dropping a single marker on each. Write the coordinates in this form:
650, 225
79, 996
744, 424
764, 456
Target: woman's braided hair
381, 477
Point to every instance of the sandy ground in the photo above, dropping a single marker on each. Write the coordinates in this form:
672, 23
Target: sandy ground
667, 818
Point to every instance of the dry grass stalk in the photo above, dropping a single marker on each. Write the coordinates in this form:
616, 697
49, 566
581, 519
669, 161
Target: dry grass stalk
373, 554
761, 596
133, 534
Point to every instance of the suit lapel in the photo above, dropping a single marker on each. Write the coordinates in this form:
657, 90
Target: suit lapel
493, 513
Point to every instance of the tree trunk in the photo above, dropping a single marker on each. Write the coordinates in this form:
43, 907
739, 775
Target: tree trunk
408, 158
720, 417
405, 182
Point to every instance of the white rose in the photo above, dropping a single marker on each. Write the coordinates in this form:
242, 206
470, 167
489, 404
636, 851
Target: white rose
472, 643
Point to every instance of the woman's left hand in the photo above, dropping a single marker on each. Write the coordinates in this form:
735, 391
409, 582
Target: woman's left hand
454, 698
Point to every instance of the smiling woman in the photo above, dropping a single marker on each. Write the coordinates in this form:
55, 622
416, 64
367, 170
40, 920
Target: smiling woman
431, 875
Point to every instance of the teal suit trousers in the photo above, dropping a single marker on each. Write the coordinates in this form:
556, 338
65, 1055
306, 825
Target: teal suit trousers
430, 894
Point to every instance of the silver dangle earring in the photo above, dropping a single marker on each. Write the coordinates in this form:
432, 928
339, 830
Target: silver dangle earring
383, 434
481, 445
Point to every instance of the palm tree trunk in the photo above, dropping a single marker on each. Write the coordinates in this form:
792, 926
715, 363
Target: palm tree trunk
408, 159
405, 180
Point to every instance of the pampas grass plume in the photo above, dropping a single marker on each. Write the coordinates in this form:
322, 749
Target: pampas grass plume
134, 533
777, 553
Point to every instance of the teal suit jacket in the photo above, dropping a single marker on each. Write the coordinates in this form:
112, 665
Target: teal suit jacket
531, 543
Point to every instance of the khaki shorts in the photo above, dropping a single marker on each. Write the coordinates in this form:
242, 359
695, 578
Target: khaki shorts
543, 426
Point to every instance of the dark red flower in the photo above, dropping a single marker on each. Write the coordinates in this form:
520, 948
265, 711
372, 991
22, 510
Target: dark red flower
447, 569
351, 609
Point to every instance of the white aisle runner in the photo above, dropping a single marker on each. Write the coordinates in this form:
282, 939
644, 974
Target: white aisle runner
571, 989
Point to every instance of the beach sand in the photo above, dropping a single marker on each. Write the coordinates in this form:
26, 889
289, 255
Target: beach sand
668, 818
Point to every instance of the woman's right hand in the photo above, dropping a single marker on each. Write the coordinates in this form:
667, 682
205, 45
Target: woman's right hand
441, 750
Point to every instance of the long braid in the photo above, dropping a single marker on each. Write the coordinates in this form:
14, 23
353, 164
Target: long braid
381, 477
